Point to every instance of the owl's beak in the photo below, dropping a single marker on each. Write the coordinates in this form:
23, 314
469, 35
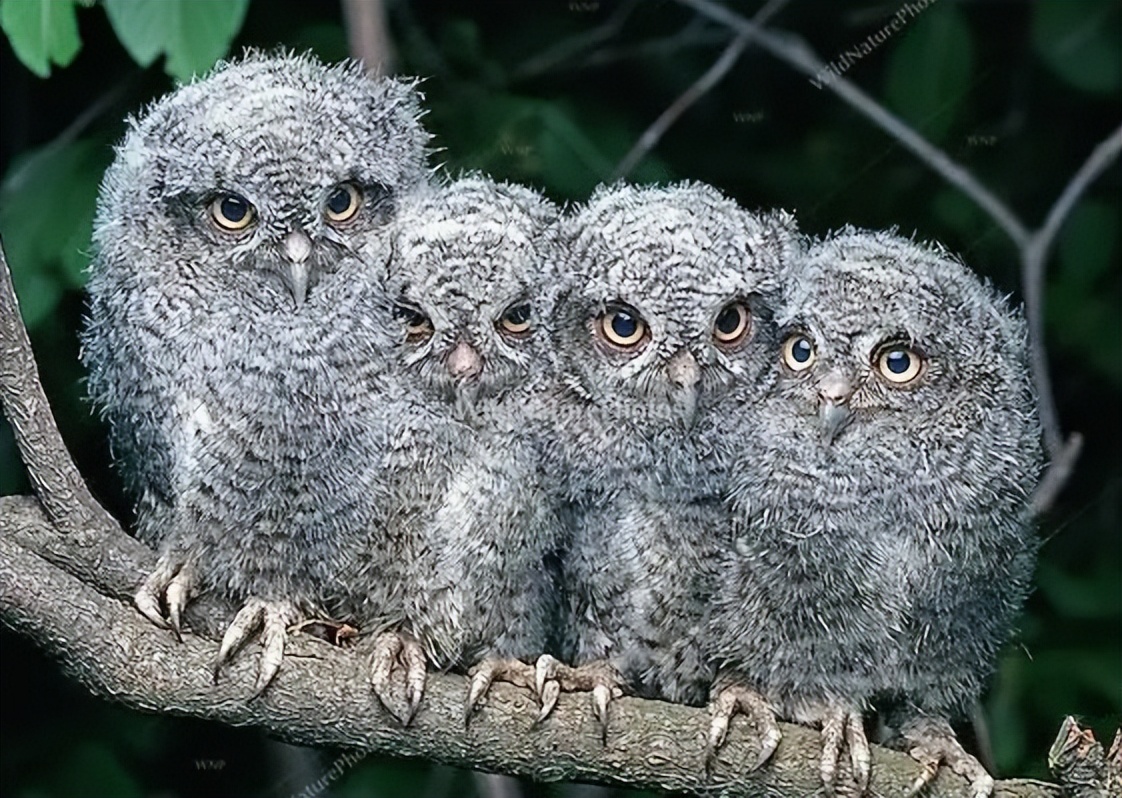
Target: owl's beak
297, 248
684, 373
834, 413
463, 362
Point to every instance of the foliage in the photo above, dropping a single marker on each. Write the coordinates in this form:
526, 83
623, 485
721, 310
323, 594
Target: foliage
1018, 93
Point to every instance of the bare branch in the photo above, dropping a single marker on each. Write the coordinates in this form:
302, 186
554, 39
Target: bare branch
321, 696
793, 51
566, 49
368, 37
49, 466
712, 76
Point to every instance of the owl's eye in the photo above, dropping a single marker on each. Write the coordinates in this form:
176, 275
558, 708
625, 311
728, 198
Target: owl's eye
516, 320
231, 212
798, 352
898, 364
418, 326
622, 327
343, 202
732, 324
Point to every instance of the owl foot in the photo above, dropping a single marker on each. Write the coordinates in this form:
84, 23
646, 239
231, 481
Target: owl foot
393, 650
932, 742
488, 671
844, 726
600, 678
169, 587
269, 619
746, 701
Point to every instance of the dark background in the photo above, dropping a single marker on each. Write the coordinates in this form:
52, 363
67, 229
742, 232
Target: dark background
1018, 92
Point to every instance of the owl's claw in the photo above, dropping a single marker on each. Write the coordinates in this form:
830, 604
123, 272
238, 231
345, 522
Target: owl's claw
393, 650
487, 672
169, 587
844, 726
746, 701
932, 743
271, 619
599, 678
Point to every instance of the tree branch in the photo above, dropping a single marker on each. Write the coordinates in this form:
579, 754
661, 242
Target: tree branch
368, 37
50, 468
711, 77
321, 696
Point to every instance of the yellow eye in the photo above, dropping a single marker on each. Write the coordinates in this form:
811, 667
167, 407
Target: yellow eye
898, 364
343, 202
418, 326
622, 327
732, 324
798, 352
516, 320
232, 213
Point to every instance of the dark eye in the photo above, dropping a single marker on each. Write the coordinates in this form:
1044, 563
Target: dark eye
898, 364
516, 320
343, 202
622, 327
798, 352
418, 326
732, 324
231, 212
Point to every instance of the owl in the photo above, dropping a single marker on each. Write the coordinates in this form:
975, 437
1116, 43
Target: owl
664, 309
880, 499
231, 340
468, 531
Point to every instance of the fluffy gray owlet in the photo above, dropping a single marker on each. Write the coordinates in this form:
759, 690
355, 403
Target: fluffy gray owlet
881, 496
228, 340
664, 310
469, 527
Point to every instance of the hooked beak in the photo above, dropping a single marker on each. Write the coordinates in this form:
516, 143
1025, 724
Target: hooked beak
297, 248
684, 373
463, 362
834, 413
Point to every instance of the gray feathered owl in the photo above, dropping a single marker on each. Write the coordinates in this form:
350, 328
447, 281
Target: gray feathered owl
230, 341
881, 494
664, 309
469, 526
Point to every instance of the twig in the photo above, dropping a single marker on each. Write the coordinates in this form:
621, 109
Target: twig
50, 468
712, 76
568, 48
321, 697
1033, 247
368, 37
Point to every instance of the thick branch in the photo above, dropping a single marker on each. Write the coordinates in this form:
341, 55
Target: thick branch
368, 37
321, 696
53, 474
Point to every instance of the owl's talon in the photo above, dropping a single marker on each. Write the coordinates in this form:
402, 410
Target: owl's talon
844, 726
551, 677
490, 670
601, 696
169, 587
271, 618
549, 693
391, 651
745, 701
932, 743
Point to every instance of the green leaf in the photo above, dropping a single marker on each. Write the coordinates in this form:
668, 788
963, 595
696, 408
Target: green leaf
193, 35
1075, 41
41, 32
47, 203
929, 71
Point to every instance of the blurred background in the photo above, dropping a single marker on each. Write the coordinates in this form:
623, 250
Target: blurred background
556, 94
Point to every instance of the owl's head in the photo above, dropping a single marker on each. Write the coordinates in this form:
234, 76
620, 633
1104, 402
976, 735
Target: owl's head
261, 179
470, 290
881, 333
666, 297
